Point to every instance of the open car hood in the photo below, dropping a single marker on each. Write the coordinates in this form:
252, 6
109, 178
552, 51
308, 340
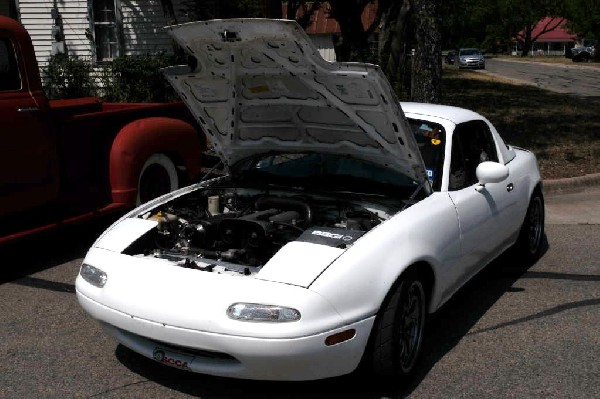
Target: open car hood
261, 85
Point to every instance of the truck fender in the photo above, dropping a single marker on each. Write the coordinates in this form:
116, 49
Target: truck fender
139, 140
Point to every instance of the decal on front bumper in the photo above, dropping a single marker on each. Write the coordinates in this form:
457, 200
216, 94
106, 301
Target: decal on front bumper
172, 359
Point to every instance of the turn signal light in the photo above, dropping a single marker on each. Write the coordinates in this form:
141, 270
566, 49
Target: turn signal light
340, 337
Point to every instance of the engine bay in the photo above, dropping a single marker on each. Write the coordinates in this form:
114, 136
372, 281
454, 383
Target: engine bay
233, 230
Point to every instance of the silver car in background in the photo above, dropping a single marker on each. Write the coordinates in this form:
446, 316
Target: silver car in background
470, 58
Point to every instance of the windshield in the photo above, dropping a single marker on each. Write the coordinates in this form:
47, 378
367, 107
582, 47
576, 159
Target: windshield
431, 139
327, 172
470, 51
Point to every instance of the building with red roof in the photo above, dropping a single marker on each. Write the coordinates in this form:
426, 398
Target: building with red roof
551, 38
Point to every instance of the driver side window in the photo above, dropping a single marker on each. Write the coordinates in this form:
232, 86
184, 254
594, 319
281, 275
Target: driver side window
472, 143
9, 70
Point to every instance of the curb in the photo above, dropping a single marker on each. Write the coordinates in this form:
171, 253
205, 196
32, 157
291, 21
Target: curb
571, 184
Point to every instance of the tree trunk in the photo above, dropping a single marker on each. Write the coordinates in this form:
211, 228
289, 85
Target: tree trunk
392, 40
306, 11
527, 42
273, 9
427, 61
353, 45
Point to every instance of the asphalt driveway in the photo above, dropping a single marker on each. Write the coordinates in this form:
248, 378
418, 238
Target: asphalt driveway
577, 80
516, 330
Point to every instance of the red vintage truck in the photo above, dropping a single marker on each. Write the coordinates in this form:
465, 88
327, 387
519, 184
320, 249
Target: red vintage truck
69, 160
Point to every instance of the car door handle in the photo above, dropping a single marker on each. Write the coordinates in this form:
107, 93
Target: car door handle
29, 109
510, 187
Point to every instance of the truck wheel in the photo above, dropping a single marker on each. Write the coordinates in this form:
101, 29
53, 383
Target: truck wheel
158, 177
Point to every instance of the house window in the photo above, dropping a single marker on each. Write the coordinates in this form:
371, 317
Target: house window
106, 34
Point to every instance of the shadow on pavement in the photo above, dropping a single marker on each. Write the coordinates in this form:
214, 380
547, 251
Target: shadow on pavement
48, 249
458, 316
445, 329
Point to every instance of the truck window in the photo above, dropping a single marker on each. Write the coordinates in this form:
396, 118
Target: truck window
9, 70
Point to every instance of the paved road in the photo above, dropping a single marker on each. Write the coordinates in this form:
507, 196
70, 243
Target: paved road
515, 331
577, 80
574, 207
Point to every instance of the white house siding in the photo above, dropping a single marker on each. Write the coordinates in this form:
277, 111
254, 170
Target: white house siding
142, 23
324, 44
37, 19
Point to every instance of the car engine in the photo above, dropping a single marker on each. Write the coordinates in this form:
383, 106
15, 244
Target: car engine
238, 231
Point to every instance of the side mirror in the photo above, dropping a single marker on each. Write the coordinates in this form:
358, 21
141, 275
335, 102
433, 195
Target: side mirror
491, 172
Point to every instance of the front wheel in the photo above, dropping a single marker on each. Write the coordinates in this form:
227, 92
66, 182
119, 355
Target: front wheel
157, 177
531, 238
399, 329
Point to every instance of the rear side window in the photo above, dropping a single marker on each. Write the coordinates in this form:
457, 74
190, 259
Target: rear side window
9, 70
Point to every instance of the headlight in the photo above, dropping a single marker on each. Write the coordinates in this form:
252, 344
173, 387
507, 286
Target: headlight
93, 275
258, 312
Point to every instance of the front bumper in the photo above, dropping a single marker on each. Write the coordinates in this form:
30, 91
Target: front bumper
471, 63
292, 359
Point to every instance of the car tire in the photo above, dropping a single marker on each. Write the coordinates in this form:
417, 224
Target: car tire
157, 177
530, 243
399, 329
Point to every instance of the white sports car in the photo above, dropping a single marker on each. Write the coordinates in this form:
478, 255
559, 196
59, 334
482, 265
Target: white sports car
343, 220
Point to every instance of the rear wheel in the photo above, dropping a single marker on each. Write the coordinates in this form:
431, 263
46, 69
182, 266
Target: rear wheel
158, 177
531, 238
399, 329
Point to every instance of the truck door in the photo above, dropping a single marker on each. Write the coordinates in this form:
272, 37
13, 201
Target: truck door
28, 163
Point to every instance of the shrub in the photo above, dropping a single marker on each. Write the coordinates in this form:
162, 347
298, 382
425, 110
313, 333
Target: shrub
67, 77
137, 79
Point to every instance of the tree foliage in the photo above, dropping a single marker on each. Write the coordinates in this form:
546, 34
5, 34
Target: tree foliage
524, 16
200, 10
404, 25
494, 24
584, 18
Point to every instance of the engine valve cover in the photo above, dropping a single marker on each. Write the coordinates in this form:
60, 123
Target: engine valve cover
332, 237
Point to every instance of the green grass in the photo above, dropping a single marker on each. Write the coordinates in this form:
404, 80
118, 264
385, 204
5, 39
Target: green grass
563, 131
